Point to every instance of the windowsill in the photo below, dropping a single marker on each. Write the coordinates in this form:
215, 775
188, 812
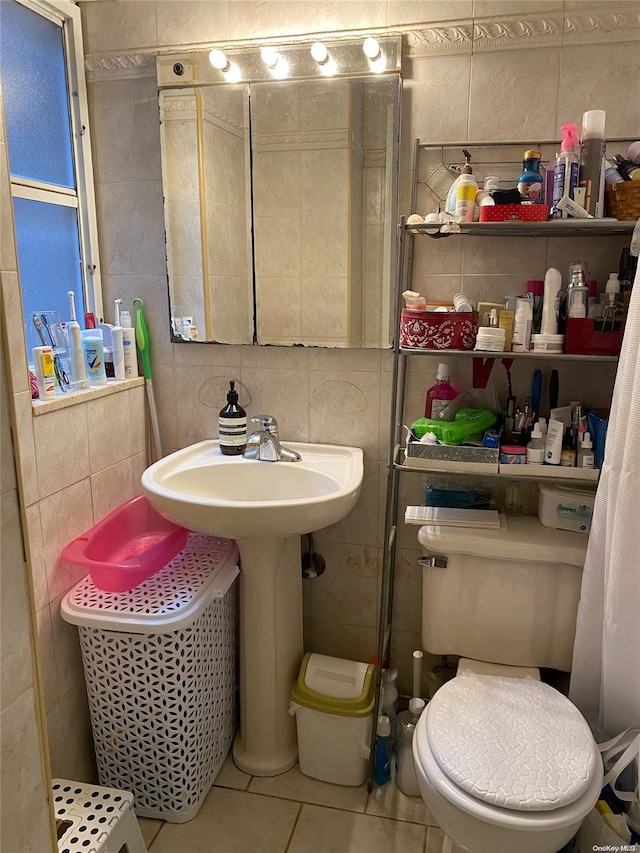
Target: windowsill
62, 401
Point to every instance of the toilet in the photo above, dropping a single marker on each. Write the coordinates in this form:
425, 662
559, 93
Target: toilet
506, 763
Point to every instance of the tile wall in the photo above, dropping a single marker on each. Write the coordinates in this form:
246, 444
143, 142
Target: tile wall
74, 465
25, 815
474, 70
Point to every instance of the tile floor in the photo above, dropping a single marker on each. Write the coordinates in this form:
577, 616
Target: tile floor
295, 814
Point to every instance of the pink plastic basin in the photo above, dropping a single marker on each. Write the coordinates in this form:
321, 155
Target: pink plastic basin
128, 546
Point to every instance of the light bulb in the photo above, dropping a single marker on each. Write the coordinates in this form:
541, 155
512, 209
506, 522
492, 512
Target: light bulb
233, 73
371, 48
270, 56
319, 52
218, 59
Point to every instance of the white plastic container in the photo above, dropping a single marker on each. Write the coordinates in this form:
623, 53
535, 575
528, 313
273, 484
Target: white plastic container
333, 703
564, 508
490, 339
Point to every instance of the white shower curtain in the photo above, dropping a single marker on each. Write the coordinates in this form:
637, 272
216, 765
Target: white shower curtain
605, 680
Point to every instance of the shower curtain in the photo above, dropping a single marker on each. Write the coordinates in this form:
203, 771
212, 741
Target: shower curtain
605, 679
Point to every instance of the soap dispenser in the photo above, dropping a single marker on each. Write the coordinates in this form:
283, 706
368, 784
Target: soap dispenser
232, 424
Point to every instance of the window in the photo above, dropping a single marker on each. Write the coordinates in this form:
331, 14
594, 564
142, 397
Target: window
46, 127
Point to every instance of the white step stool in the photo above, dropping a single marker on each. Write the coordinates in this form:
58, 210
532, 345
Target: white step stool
102, 819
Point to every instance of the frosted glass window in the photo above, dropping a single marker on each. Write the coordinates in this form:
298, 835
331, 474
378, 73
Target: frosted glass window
35, 96
49, 261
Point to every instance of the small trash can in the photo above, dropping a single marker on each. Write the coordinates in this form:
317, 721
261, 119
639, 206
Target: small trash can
333, 703
160, 669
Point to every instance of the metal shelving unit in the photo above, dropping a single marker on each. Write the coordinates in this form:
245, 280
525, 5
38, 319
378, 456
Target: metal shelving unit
405, 237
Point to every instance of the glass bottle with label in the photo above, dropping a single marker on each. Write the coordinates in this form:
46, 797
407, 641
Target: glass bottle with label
232, 424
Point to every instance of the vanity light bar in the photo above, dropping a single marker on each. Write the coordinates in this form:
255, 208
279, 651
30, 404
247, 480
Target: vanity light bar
353, 57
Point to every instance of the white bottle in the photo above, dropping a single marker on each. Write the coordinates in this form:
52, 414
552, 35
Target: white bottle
117, 351
521, 341
466, 198
535, 448
130, 352
586, 458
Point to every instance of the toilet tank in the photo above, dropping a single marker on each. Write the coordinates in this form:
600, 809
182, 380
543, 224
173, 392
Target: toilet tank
503, 596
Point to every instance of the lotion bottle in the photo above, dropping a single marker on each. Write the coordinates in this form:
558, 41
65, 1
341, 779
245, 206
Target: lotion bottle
450, 204
466, 197
232, 424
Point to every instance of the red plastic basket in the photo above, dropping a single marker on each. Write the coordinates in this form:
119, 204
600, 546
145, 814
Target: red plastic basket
438, 330
128, 546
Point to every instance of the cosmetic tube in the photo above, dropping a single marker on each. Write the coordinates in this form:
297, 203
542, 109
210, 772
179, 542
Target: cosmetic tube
553, 443
568, 205
552, 285
45, 375
117, 351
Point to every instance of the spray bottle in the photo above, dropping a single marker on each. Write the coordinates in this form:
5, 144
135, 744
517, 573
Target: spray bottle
565, 175
78, 367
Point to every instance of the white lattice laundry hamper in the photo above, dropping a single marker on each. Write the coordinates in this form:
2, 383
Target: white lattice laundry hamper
160, 668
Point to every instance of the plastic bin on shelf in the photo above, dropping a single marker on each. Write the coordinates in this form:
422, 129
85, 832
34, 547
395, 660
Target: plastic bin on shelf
160, 669
128, 546
333, 703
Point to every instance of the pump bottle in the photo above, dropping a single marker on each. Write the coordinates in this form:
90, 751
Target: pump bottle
450, 204
565, 175
232, 424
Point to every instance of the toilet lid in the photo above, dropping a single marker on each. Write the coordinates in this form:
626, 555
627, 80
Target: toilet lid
511, 742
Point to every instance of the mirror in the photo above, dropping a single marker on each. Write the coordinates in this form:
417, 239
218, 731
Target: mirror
207, 209
280, 206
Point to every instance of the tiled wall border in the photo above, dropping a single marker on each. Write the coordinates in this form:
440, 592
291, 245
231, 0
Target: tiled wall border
446, 38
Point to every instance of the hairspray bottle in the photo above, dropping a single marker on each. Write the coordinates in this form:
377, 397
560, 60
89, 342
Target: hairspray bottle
593, 150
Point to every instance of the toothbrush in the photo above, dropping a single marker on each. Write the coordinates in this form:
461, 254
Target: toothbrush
117, 347
75, 341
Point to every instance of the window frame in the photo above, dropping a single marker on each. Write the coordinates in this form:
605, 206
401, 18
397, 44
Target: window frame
67, 15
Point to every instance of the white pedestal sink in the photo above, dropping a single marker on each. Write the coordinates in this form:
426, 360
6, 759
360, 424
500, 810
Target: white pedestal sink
265, 507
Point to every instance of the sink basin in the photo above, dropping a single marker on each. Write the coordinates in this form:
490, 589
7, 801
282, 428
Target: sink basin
265, 507
236, 498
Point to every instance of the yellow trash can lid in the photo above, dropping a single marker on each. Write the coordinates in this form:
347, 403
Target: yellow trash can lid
335, 686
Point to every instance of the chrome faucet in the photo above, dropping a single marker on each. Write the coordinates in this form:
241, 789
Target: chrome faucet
264, 444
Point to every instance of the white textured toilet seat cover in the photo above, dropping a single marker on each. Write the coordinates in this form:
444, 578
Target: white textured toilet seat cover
511, 742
